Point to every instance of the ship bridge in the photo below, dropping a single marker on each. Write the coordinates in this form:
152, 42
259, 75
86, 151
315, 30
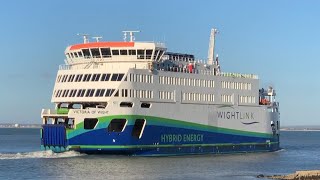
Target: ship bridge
113, 52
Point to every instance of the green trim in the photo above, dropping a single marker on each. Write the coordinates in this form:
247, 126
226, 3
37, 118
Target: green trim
163, 145
62, 111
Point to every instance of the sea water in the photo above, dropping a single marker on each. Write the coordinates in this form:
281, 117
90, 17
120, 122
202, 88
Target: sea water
21, 158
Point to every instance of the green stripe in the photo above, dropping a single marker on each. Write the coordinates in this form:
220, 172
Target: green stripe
163, 145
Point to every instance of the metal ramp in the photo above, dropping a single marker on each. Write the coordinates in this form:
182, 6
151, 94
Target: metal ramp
54, 135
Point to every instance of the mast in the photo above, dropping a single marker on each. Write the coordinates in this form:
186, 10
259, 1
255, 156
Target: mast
85, 37
211, 46
131, 34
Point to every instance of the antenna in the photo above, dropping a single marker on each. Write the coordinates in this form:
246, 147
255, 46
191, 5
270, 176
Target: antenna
211, 46
131, 34
97, 38
85, 37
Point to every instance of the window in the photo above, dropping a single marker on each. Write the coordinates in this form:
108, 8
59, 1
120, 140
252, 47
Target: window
116, 94
95, 77
120, 77
78, 78
123, 52
90, 92
70, 78
132, 52
75, 54
86, 53
115, 52
100, 92
124, 93
73, 93
90, 123
148, 53
117, 77
109, 92
105, 52
86, 77
145, 105
114, 77
140, 53
105, 77
117, 125
81, 92
138, 128
95, 53
126, 104
80, 54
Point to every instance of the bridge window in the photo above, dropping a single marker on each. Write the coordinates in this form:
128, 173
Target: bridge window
75, 54
80, 54
115, 52
148, 53
105, 52
95, 53
138, 128
117, 125
86, 53
140, 53
90, 123
132, 52
126, 104
123, 52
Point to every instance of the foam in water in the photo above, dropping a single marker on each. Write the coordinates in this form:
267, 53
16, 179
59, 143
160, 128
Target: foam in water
40, 154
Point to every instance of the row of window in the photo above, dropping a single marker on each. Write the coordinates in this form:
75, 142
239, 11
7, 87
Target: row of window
90, 77
144, 78
166, 95
247, 99
235, 85
136, 93
185, 81
107, 52
85, 93
198, 97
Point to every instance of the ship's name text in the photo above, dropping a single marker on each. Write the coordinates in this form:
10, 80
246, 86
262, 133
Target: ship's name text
235, 115
87, 111
170, 138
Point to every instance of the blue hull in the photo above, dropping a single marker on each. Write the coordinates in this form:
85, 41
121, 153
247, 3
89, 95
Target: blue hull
159, 141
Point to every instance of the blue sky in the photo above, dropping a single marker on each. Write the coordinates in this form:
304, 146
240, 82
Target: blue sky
278, 40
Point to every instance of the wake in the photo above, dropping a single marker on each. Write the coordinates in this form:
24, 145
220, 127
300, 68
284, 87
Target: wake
39, 154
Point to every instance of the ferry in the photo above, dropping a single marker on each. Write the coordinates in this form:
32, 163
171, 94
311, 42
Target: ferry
136, 98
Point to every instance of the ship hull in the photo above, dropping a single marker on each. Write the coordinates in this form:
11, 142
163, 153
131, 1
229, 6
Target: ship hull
160, 137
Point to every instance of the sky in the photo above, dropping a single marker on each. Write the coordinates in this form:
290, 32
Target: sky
277, 40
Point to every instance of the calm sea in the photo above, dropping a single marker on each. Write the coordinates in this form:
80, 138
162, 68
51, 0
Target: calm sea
20, 158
